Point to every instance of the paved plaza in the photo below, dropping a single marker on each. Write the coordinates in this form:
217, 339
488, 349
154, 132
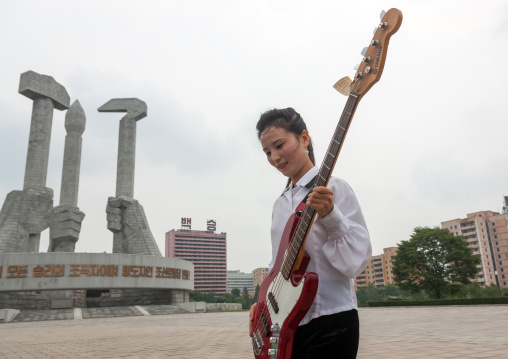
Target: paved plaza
406, 332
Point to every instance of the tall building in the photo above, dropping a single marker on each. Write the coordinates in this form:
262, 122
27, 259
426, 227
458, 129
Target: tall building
206, 249
237, 279
487, 235
259, 275
378, 271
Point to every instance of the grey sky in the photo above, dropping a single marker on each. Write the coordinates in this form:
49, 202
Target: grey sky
427, 144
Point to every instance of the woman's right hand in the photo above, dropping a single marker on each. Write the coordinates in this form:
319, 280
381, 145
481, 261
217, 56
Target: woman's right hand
251, 318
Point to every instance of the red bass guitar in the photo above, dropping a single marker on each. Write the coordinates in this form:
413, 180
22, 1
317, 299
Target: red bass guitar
288, 291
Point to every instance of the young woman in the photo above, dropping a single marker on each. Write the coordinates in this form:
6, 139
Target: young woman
338, 241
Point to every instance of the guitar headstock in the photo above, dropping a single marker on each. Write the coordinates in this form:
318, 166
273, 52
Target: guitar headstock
374, 56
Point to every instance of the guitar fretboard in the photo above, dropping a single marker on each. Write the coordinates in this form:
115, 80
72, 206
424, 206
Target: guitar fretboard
322, 178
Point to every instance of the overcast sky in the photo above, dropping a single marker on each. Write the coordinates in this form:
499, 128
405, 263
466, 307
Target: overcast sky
428, 143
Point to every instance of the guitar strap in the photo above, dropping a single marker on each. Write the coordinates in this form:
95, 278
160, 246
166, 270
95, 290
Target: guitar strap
309, 185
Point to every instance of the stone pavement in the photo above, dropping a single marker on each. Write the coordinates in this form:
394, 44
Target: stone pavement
406, 332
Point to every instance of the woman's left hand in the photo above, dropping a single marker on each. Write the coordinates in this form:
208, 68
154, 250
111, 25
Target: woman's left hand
321, 199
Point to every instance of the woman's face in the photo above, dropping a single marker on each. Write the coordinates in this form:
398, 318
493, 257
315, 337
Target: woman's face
286, 151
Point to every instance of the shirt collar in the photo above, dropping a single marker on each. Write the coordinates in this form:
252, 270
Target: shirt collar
307, 177
304, 180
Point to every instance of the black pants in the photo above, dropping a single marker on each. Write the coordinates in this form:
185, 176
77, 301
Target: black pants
332, 336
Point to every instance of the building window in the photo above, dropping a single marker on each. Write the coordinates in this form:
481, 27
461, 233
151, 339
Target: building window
493, 223
500, 263
455, 226
494, 230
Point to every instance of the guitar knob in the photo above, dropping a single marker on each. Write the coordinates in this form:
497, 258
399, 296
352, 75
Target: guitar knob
374, 43
382, 14
367, 69
357, 66
366, 60
358, 75
383, 25
274, 340
275, 328
364, 51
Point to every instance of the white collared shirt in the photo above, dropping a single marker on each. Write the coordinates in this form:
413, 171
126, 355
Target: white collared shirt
338, 244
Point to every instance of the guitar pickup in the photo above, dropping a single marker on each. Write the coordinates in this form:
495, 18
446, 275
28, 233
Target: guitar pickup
273, 302
264, 324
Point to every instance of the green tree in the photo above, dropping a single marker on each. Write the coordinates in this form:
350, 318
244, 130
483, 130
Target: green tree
434, 260
245, 293
235, 292
242, 301
256, 293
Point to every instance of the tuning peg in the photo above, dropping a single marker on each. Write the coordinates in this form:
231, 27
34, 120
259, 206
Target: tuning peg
374, 31
364, 51
382, 14
357, 66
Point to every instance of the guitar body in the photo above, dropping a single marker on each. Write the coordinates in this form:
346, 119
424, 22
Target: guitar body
290, 302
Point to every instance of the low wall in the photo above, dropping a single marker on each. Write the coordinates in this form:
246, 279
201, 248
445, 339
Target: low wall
215, 307
24, 300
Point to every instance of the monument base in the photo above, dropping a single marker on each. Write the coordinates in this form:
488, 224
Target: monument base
80, 280
129, 297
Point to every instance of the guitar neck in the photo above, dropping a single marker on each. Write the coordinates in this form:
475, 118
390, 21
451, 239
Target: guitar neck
323, 177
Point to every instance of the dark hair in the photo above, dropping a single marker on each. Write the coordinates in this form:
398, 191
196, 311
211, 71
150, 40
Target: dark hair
288, 119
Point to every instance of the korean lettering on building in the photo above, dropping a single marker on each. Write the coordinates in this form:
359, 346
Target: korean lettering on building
211, 225
186, 223
92, 270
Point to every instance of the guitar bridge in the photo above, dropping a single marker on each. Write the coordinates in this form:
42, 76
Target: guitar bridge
257, 342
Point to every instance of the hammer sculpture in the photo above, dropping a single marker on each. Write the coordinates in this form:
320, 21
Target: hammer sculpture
126, 217
25, 214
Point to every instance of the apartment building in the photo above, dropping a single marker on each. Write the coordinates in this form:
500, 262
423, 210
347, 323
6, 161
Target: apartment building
237, 279
378, 271
487, 235
259, 275
206, 249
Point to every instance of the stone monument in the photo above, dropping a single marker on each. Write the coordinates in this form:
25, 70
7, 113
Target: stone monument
25, 214
126, 217
66, 224
136, 272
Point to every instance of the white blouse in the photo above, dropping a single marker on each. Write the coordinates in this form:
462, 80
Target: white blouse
338, 244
